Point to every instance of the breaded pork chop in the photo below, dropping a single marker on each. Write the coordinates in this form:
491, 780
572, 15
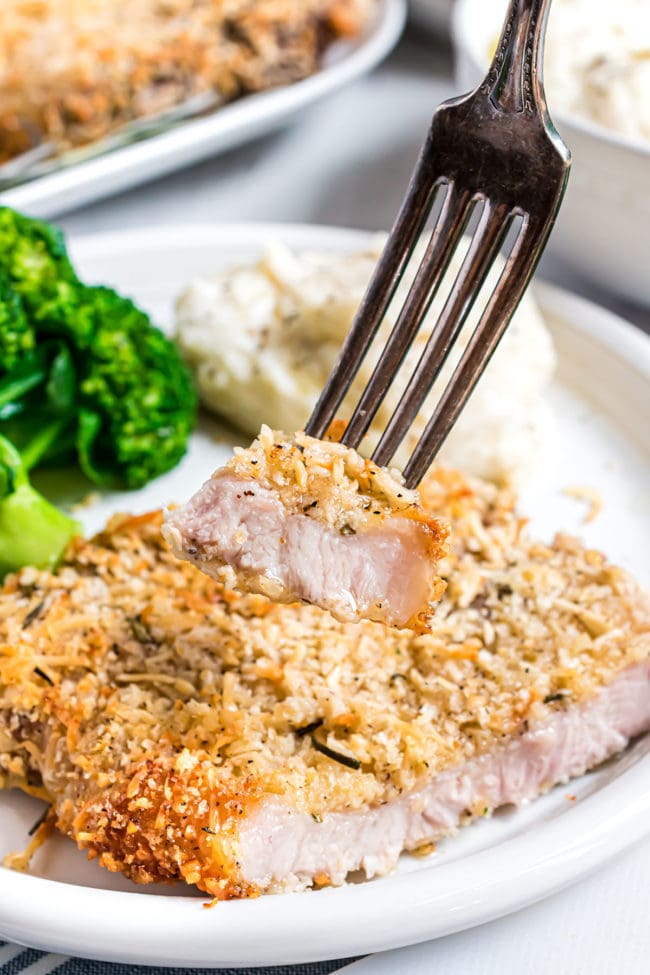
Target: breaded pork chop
185, 732
296, 518
74, 71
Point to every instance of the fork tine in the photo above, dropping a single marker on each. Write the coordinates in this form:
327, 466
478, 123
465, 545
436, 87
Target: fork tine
383, 284
485, 245
503, 302
457, 207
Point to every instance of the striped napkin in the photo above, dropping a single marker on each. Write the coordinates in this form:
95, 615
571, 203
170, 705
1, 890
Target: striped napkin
15, 960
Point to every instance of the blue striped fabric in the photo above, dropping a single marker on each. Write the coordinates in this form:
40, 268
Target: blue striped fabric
27, 961
21, 961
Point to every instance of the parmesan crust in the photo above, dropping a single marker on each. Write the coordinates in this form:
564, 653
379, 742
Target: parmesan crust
156, 708
328, 481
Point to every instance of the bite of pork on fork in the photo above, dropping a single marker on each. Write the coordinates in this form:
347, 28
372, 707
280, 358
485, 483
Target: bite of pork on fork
295, 518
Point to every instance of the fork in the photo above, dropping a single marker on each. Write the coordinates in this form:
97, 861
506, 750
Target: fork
493, 154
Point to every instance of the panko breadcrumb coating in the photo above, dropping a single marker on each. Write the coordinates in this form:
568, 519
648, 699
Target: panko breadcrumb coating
176, 726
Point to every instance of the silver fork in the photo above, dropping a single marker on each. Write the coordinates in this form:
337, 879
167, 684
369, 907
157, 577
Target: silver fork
495, 151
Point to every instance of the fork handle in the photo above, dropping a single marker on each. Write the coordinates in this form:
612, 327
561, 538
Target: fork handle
514, 82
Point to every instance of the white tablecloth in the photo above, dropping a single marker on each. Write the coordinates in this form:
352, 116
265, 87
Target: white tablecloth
347, 163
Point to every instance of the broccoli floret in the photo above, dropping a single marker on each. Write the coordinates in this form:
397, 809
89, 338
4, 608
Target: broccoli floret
108, 375
34, 259
32, 531
16, 334
34, 256
136, 395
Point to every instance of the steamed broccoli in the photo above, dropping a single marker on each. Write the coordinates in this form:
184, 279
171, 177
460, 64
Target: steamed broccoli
83, 372
32, 531
16, 334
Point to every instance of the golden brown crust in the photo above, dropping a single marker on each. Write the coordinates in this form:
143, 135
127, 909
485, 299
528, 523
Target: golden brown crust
331, 483
117, 61
167, 821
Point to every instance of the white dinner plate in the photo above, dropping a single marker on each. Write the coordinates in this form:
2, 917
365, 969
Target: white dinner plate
493, 867
227, 127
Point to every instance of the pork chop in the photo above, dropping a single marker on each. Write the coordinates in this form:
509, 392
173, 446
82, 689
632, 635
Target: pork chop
182, 731
305, 519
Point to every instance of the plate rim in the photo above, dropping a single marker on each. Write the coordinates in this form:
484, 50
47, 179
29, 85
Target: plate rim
196, 140
50, 914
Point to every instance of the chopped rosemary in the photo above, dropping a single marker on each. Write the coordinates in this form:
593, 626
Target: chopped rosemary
348, 530
33, 614
208, 829
41, 819
346, 760
308, 728
559, 696
141, 632
41, 673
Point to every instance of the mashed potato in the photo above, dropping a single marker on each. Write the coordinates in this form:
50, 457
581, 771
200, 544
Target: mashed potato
262, 339
598, 63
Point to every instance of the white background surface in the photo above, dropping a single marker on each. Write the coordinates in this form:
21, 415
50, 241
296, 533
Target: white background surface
347, 163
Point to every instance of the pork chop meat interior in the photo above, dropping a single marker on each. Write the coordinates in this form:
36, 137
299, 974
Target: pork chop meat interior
296, 518
182, 731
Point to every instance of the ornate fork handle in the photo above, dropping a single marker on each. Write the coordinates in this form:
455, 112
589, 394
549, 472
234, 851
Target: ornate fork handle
513, 81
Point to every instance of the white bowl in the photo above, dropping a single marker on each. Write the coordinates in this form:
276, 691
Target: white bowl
603, 230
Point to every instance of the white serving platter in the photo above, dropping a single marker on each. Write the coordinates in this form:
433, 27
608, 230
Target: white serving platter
492, 868
227, 127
